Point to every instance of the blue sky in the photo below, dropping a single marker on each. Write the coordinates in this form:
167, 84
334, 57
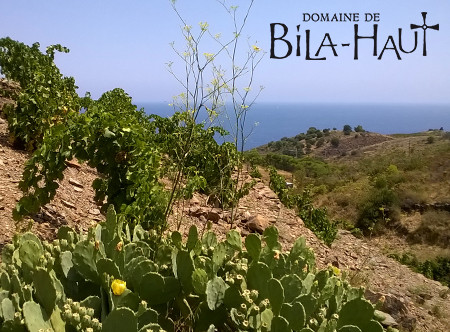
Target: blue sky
126, 44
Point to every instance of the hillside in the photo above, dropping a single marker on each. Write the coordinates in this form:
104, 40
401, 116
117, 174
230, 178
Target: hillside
406, 174
415, 302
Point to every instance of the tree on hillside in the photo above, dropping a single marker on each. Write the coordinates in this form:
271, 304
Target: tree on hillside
347, 129
359, 129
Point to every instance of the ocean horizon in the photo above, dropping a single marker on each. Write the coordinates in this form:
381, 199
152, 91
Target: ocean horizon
270, 121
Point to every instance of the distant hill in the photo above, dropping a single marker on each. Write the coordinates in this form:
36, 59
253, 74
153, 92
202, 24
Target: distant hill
324, 143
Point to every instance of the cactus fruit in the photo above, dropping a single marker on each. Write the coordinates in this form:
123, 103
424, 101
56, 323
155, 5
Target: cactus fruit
203, 283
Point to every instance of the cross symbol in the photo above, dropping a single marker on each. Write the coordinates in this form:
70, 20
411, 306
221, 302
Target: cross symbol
424, 26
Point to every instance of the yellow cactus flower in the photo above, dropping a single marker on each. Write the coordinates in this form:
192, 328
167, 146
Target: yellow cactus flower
276, 255
118, 286
336, 270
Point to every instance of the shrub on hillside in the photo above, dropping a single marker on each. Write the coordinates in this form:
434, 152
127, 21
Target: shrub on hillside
347, 129
381, 206
335, 142
359, 129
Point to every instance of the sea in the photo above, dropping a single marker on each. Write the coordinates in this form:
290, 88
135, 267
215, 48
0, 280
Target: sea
270, 121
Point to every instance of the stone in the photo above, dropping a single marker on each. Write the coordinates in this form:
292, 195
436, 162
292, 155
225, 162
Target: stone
94, 212
394, 306
73, 163
213, 216
208, 213
257, 223
195, 201
75, 183
68, 204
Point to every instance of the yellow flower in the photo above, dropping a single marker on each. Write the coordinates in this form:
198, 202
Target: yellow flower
118, 286
336, 270
209, 56
256, 48
276, 255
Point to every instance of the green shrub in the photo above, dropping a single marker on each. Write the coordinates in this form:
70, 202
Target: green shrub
46, 98
359, 129
117, 281
255, 173
436, 269
335, 142
347, 129
381, 206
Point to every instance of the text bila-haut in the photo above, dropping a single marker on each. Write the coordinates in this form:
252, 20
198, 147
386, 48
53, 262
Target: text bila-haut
282, 47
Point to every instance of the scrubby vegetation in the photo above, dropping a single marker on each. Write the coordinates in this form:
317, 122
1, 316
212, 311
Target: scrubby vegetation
372, 191
437, 269
305, 143
120, 281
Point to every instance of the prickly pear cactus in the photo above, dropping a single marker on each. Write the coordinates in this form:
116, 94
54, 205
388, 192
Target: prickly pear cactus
112, 280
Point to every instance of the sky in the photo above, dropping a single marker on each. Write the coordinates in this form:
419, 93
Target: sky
126, 44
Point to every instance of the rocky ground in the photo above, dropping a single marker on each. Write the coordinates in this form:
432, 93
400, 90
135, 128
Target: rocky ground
415, 302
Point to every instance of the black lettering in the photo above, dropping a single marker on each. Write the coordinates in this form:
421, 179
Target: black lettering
358, 37
390, 39
400, 43
273, 40
327, 36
